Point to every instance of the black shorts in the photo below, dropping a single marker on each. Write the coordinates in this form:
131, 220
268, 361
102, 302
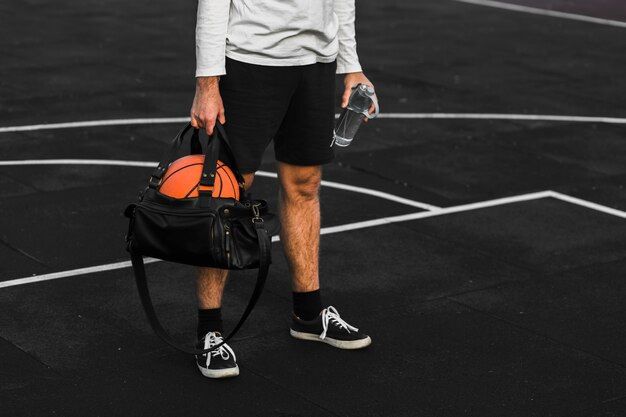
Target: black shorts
294, 106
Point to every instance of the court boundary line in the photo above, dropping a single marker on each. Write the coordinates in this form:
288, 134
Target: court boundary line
588, 204
469, 116
353, 226
507, 116
267, 174
330, 184
545, 12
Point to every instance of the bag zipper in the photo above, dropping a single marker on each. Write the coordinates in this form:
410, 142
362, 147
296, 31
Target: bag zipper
176, 211
227, 243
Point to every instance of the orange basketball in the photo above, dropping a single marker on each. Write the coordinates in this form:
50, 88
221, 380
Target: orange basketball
182, 179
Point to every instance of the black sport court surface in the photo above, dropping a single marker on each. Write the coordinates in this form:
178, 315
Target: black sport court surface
496, 289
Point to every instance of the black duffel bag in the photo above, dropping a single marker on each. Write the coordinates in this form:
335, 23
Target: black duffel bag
204, 231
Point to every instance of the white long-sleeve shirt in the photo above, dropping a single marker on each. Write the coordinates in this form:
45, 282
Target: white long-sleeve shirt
275, 33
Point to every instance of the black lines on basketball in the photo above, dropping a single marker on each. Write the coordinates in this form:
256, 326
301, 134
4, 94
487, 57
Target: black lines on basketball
166, 176
182, 179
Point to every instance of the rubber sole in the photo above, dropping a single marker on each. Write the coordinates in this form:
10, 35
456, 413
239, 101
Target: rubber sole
219, 373
340, 344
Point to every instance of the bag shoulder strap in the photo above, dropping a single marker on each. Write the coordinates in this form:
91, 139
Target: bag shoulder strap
146, 300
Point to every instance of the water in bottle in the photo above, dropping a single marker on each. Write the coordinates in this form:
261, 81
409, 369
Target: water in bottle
352, 116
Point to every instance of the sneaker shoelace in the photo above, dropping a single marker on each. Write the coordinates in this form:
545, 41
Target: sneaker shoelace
224, 351
331, 315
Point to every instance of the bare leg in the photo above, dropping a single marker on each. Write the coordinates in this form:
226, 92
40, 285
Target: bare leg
211, 281
300, 235
300, 221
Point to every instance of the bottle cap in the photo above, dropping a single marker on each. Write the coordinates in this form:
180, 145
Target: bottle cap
369, 90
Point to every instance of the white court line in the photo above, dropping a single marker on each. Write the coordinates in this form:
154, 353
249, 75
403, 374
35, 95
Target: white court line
588, 204
478, 116
111, 162
323, 231
147, 164
352, 226
72, 272
499, 116
437, 212
545, 12
362, 190
380, 194
94, 123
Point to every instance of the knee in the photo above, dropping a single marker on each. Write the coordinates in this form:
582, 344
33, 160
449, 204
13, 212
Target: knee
303, 184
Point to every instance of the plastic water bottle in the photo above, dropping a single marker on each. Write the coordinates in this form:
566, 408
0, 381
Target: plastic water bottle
351, 117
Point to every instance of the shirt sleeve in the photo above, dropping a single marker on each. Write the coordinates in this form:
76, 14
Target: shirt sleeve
347, 58
211, 29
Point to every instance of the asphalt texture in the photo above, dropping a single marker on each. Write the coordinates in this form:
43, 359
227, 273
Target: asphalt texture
510, 309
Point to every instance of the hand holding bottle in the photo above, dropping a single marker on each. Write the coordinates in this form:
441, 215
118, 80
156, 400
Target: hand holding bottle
361, 105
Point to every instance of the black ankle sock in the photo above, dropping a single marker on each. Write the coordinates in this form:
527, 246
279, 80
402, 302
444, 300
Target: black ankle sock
209, 320
307, 305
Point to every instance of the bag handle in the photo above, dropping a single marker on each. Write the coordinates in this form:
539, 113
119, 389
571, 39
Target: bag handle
167, 157
146, 301
211, 152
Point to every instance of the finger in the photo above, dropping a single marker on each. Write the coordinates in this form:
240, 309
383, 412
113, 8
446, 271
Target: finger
372, 109
195, 121
221, 116
346, 97
210, 126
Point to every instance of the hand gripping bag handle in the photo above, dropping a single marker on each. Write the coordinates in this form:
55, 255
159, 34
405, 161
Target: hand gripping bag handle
146, 300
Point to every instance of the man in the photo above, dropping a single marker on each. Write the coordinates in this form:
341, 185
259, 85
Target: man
269, 66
